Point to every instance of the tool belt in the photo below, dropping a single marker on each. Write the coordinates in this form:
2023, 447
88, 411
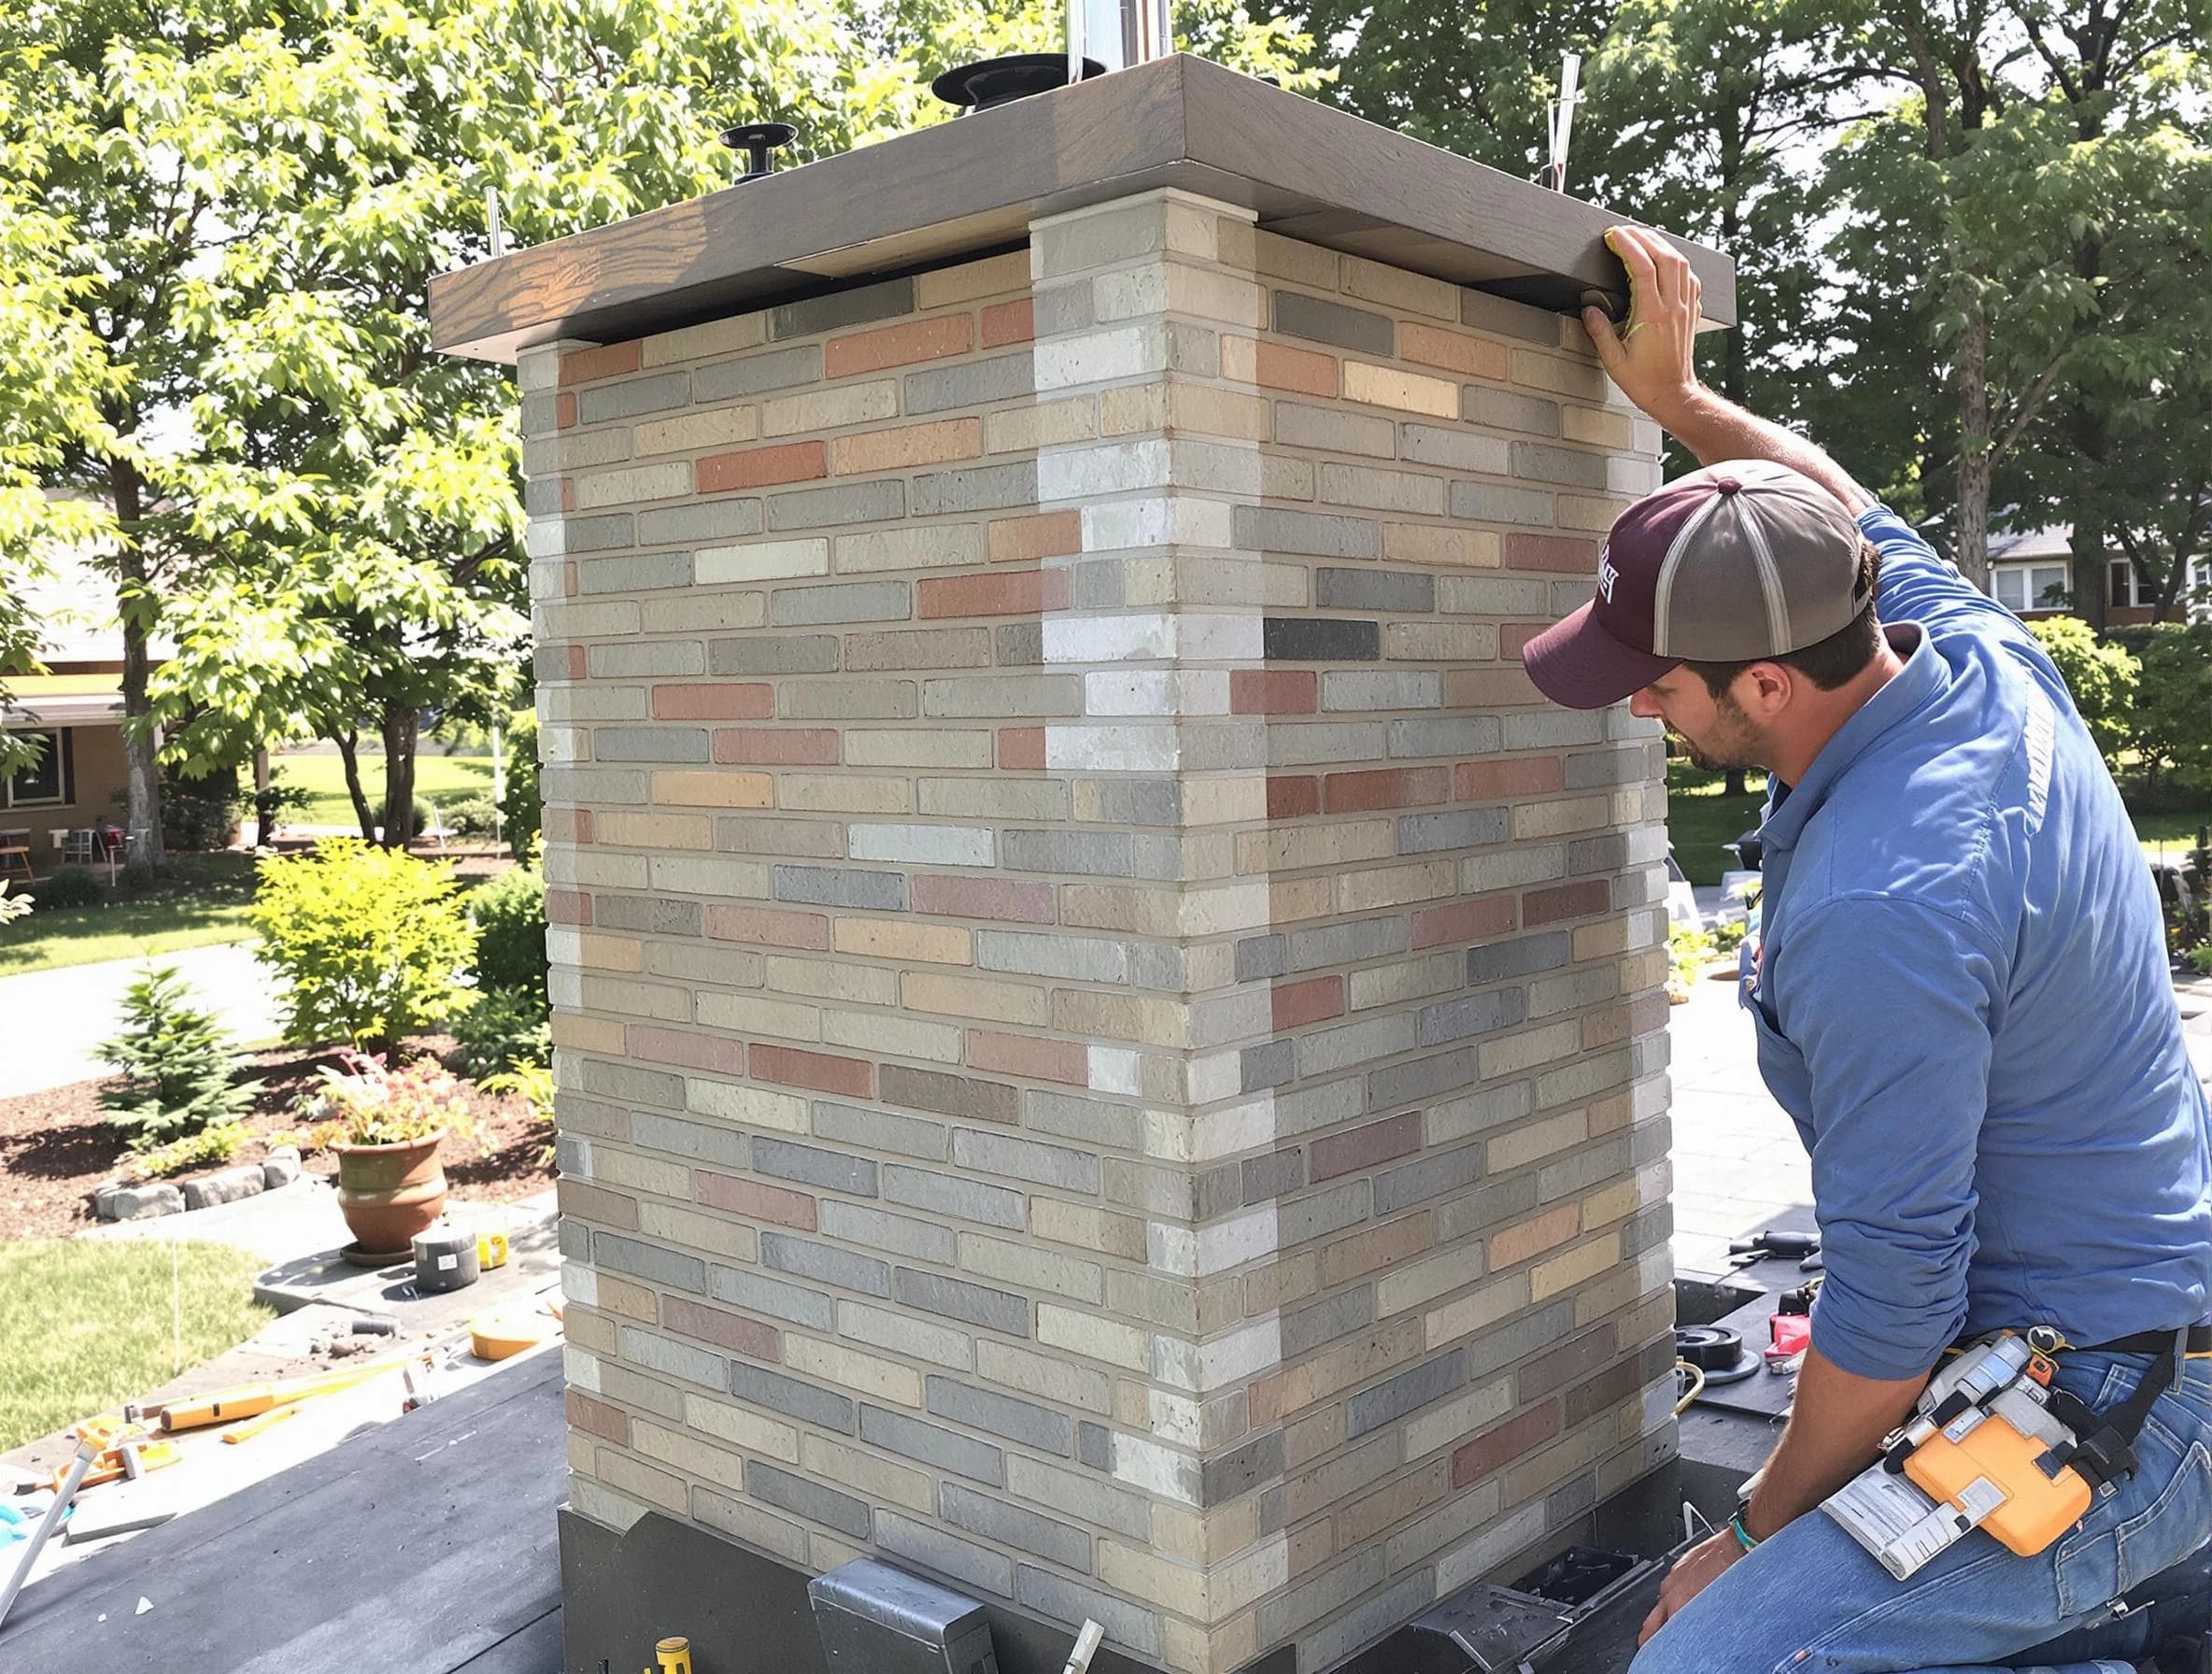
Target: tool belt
2103, 1449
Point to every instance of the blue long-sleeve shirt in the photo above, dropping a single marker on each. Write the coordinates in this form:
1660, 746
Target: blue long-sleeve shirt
1962, 999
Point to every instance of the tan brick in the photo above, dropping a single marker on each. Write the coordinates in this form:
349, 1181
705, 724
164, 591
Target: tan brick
891, 938
995, 275
845, 793
1356, 1360
714, 790
740, 1427
1533, 1139
848, 1368
1379, 1247
696, 432
975, 997
875, 1477
1564, 1272
1602, 427
1093, 1336
907, 446
1406, 392
688, 1453
655, 831
1455, 351
1087, 1229
717, 338
1045, 424
631, 1476
1431, 544
818, 410
894, 1035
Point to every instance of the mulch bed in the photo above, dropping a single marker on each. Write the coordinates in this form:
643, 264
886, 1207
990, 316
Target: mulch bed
56, 1146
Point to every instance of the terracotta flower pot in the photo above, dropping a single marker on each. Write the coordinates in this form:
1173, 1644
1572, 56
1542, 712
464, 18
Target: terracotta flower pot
390, 1193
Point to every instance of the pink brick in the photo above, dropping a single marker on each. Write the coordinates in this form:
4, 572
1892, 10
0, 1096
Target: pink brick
1565, 901
1273, 691
564, 410
1495, 781
1291, 795
757, 467
1021, 749
1025, 540
1387, 788
1558, 554
751, 701
610, 359
1513, 636
1014, 593
1463, 921
754, 1201
789, 1067
1009, 322
1511, 1245
1297, 1003
899, 345
1066, 1061
1503, 1444
731, 1331
1364, 1147
568, 825
1011, 901
567, 906
693, 1052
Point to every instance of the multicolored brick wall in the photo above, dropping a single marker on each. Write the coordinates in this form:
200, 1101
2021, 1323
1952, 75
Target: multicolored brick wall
1109, 1046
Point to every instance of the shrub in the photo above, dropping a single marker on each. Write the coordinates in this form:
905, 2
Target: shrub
2101, 674
13, 906
2171, 724
371, 942
506, 1027
2200, 961
174, 1063
366, 1104
524, 808
535, 1083
218, 1143
510, 914
200, 813
71, 886
421, 814
476, 817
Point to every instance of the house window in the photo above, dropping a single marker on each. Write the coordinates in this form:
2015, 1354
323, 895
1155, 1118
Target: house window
47, 782
2123, 590
2029, 587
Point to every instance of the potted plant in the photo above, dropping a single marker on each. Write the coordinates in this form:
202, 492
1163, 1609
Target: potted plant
384, 1125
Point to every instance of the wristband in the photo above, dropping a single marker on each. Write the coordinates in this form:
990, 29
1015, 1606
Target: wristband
1744, 1537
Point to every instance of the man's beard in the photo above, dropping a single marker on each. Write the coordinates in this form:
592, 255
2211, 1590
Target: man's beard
1733, 746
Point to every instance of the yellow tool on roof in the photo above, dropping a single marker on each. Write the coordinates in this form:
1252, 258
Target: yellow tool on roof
250, 1400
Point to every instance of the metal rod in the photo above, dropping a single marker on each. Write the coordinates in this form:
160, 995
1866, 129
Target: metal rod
87, 1451
1075, 42
1086, 1647
1563, 120
492, 220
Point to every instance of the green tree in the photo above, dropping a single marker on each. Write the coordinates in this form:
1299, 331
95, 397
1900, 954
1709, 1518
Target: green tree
2103, 676
174, 1063
2172, 715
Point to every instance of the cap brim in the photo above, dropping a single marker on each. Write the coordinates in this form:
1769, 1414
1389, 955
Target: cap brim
1577, 663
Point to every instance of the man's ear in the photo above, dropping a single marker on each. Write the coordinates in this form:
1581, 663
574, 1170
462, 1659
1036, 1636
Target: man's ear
1766, 689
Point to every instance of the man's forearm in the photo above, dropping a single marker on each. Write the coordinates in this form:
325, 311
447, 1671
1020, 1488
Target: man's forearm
1714, 429
1836, 1425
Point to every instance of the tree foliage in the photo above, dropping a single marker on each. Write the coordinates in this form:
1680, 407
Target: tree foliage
173, 1064
2102, 677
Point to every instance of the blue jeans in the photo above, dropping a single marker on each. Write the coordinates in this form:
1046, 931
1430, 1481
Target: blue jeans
1811, 1600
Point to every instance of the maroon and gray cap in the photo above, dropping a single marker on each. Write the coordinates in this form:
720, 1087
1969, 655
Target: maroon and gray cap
1737, 561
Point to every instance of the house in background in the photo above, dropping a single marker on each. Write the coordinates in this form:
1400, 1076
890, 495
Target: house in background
2032, 575
76, 708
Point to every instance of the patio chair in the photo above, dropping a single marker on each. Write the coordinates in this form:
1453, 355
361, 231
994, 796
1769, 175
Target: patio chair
81, 847
15, 863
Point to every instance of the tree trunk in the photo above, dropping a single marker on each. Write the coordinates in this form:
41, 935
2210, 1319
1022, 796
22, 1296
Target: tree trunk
136, 607
348, 753
264, 816
400, 723
1734, 786
2092, 585
1971, 542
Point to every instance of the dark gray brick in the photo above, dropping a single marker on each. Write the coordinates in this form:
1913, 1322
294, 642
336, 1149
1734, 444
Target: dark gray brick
1269, 1064
1231, 1475
576, 1239
887, 299
1141, 801
1586, 1168
744, 1288
1565, 1503
1320, 639
631, 397
772, 654
1538, 462
956, 1298
971, 384
1387, 1610
1419, 1080
912, 1439
949, 1195
603, 533
1647, 1229
702, 1141
1094, 1445
825, 1262
642, 1260
1018, 645
1471, 827
1394, 591
1310, 1326
699, 522
788, 1395
749, 374
1259, 957
1506, 317
1012, 1525
1472, 1015
1501, 1346
541, 498
947, 1555
845, 502
1220, 1190
1260, 1178
1319, 320
978, 487
1089, 854
1524, 955
1321, 1594
1319, 534
1349, 944
1412, 1389
1062, 1600
1587, 854
1318, 1214
1444, 735
1001, 1414
809, 1499
1485, 1208
879, 1130
651, 915
649, 744
840, 887
783, 1160
1430, 1177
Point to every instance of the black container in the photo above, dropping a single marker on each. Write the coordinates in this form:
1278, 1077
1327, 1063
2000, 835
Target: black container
445, 1259
996, 82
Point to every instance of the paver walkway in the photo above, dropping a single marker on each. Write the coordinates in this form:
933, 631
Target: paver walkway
52, 1022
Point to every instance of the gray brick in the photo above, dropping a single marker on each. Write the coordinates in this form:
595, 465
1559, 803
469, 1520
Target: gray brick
1321, 1594
1319, 1214
641, 1261
1472, 1015
1025, 1160
650, 744
628, 660
840, 601
1647, 1229
901, 1235
1472, 827
1451, 449
634, 574
628, 399
1594, 768
1506, 317
1412, 1389
1089, 854
855, 503
1349, 944
1063, 308
1524, 955
541, 412
809, 1499
1319, 320
1024, 1530
1310, 1326
749, 374
1259, 1178
744, 1288
702, 1142
1501, 1346
826, 1263
956, 1298
1489, 502
1064, 1601
933, 1548
1485, 1209
787, 653
1386, 1610
1116, 1127
884, 299
1259, 957
960, 1095
700, 522
1585, 1168
972, 384
1429, 1177
788, 1395
1563, 1505
1140, 801
1233, 1474
1080, 1494
1275, 528
1094, 1445
783, 1160
1587, 854
603, 533
950, 1195
1538, 462
694, 1365
1270, 1064
879, 1130
1001, 1414
1395, 590
1018, 645
1444, 735
977, 487
649, 915
840, 887
912, 1439
575, 1239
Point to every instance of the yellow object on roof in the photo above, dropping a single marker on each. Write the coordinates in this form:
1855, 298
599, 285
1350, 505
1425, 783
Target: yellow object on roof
61, 700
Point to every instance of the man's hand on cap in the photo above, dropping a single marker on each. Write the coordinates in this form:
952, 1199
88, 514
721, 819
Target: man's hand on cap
1653, 358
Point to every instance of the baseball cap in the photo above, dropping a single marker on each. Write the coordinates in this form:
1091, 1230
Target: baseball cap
1743, 559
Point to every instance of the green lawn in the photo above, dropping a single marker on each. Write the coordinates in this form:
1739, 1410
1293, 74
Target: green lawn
441, 779
200, 900
92, 1323
1699, 819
